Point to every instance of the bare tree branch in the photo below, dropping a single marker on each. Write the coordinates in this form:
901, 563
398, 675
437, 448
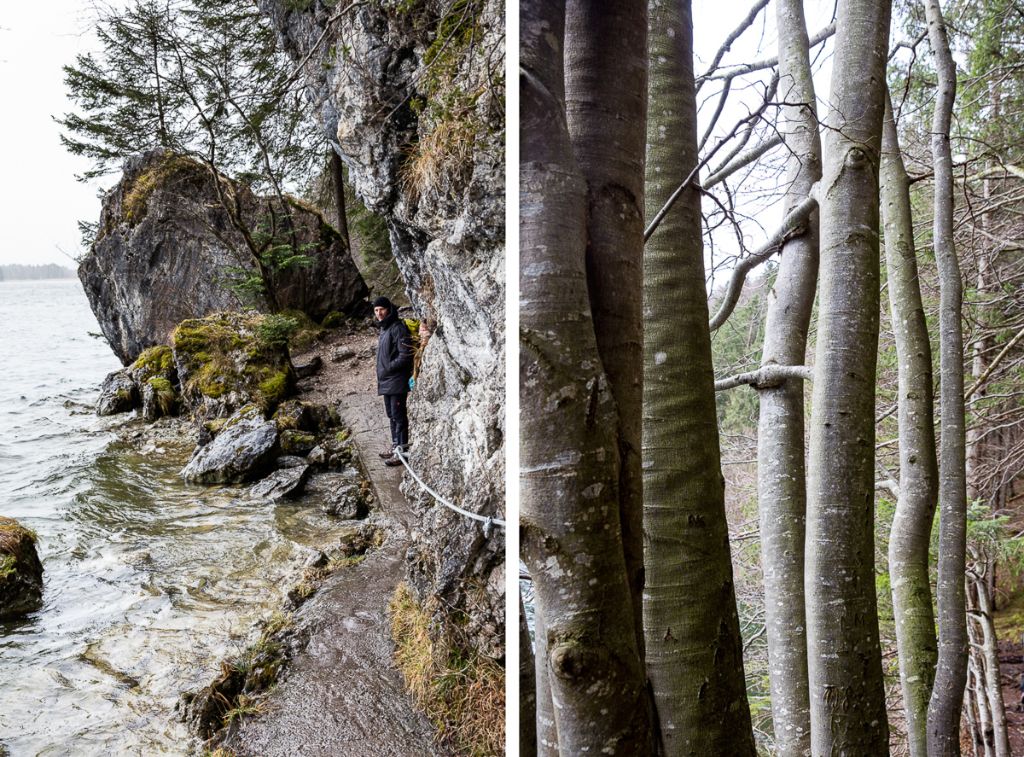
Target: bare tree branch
793, 225
766, 377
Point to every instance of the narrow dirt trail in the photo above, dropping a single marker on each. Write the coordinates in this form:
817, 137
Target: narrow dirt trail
342, 694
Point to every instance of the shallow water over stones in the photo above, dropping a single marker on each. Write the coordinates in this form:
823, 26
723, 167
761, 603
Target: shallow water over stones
148, 581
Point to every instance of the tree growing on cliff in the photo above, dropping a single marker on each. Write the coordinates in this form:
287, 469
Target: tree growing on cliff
204, 79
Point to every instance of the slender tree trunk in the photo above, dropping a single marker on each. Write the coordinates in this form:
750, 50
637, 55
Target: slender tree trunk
338, 177
527, 689
694, 650
951, 672
976, 660
971, 705
606, 106
910, 537
993, 685
983, 731
781, 486
571, 536
848, 713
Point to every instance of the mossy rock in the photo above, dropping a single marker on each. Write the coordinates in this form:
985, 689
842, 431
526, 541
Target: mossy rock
228, 360
297, 442
334, 320
155, 361
21, 572
136, 197
156, 382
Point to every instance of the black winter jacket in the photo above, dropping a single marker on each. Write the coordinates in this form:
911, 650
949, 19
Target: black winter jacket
394, 356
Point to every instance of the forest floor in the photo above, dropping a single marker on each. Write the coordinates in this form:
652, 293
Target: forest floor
342, 695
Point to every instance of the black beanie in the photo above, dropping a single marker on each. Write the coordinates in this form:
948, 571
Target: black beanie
383, 302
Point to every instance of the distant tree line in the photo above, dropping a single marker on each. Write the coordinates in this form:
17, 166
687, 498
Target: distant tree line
17, 272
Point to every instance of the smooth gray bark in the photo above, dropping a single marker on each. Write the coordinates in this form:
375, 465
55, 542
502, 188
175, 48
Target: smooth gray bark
910, 536
847, 697
606, 107
547, 731
951, 672
990, 653
781, 492
569, 515
694, 649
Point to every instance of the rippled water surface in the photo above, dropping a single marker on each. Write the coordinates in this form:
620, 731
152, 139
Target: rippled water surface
148, 581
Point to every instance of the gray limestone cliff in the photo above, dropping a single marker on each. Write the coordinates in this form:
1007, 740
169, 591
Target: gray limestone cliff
166, 251
412, 96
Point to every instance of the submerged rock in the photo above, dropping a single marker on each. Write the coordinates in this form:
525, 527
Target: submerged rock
21, 573
166, 251
284, 482
243, 450
117, 394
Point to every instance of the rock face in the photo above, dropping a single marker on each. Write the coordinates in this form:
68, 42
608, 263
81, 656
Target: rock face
419, 123
21, 573
166, 251
243, 450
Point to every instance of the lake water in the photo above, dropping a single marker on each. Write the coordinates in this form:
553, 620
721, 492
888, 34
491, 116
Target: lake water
149, 582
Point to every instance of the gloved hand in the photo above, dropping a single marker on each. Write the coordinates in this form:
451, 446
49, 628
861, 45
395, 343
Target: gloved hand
412, 384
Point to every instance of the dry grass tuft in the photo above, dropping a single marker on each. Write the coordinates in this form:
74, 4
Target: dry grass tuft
439, 156
462, 692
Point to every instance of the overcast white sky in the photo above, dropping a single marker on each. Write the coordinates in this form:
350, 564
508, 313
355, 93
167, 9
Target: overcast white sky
40, 200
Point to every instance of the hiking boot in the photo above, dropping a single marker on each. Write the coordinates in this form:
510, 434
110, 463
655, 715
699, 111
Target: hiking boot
386, 453
392, 461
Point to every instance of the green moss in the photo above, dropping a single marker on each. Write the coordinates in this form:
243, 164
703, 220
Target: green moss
166, 397
155, 360
136, 197
245, 353
7, 565
297, 442
275, 388
333, 320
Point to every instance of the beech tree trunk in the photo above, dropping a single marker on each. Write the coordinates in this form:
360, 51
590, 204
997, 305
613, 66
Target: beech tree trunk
694, 650
910, 537
990, 653
951, 672
606, 106
781, 485
569, 519
847, 697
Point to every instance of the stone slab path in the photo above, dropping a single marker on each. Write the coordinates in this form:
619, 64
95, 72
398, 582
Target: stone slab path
342, 695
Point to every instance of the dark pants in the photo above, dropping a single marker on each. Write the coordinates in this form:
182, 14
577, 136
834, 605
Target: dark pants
395, 407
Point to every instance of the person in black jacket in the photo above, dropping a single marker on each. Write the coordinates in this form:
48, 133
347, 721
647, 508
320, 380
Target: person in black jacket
394, 369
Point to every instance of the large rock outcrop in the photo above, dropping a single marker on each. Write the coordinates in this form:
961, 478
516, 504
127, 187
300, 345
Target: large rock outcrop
166, 250
412, 96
